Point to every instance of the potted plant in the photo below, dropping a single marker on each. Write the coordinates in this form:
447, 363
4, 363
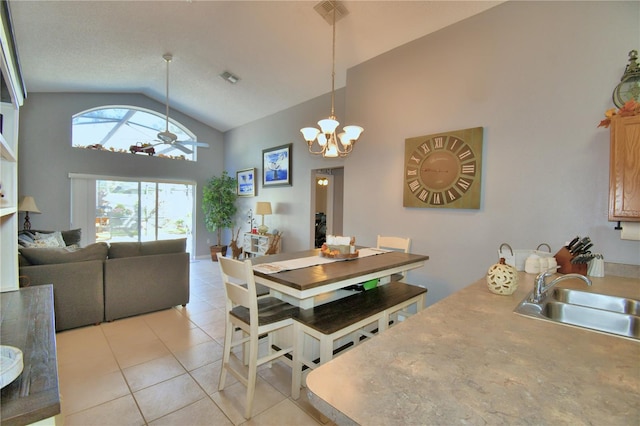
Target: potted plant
219, 207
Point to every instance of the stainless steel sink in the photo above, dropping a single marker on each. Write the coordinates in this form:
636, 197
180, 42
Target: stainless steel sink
598, 301
594, 311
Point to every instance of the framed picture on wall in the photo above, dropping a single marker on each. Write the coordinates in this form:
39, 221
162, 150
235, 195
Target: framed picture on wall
246, 182
276, 166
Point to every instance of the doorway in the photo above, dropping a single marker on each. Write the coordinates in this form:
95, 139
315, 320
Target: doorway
326, 203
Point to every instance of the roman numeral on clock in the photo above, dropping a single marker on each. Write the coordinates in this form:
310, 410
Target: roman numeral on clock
469, 169
414, 185
463, 184
464, 154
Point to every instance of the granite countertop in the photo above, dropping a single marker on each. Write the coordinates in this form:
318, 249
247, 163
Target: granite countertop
470, 359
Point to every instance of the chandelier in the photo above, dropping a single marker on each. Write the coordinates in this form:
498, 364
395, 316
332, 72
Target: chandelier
328, 143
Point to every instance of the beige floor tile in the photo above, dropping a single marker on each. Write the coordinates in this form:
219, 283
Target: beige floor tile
278, 376
166, 397
208, 377
206, 317
80, 343
122, 412
94, 390
199, 355
194, 307
166, 320
152, 372
138, 352
132, 325
98, 363
285, 413
179, 338
232, 399
200, 413
215, 330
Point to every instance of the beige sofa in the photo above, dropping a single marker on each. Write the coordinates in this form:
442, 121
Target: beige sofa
106, 282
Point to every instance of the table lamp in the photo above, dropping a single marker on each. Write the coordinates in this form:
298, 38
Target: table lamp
28, 204
263, 208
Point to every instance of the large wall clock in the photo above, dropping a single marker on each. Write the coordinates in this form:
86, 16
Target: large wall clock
444, 170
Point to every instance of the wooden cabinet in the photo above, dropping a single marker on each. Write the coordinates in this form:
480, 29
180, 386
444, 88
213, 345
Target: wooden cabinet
258, 244
11, 98
624, 169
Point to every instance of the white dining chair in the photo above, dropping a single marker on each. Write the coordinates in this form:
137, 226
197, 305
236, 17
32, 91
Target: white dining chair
253, 317
396, 244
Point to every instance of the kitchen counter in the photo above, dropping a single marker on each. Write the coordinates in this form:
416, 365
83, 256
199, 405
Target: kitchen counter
470, 359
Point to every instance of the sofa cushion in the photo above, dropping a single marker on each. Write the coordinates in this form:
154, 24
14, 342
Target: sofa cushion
147, 248
50, 255
117, 250
163, 247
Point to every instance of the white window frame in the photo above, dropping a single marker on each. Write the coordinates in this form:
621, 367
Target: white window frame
83, 203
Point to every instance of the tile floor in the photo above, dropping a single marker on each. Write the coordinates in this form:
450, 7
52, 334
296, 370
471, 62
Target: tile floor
162, 369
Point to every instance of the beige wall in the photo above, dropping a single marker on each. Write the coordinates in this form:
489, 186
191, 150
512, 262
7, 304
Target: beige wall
537, 76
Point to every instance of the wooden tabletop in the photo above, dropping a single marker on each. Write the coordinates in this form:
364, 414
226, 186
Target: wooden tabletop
27, 323
314, 280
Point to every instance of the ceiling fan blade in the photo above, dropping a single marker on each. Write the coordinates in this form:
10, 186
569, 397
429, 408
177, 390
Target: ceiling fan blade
182, 148
194, 143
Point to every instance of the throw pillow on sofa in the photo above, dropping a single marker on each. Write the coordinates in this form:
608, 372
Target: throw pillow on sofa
70, 237
147, 248
50, 255
53, 239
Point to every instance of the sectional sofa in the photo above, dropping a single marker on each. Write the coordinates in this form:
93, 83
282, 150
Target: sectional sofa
105, 282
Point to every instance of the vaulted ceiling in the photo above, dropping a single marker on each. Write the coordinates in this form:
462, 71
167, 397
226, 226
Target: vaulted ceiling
280, 50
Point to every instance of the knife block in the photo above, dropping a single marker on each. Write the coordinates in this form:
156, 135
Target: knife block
564, 257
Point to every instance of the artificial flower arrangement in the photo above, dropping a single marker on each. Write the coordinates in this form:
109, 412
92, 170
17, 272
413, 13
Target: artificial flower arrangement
630, 108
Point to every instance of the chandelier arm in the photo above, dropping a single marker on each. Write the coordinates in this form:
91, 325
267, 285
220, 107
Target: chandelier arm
315, 152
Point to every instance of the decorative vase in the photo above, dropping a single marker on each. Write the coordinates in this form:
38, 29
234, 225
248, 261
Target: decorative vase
502, 278
217, 249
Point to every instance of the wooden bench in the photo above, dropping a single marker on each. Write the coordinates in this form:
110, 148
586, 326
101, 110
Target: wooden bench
348, 316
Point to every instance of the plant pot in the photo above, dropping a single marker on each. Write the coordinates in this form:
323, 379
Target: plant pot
217, 249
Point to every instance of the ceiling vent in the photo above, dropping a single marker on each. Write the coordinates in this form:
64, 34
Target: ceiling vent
325, 9
227, 76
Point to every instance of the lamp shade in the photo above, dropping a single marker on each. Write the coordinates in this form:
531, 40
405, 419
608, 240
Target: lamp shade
263, 207
28, 204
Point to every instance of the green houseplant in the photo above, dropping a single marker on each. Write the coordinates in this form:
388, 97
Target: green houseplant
219, 206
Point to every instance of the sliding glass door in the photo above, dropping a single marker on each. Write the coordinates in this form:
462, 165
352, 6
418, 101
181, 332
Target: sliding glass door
130, 210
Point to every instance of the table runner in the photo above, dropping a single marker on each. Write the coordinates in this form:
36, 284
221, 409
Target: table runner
305, 262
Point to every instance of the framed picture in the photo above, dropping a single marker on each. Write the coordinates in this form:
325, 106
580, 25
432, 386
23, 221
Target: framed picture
276, 166
246, 182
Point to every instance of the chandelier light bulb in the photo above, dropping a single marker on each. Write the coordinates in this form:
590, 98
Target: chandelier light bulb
310, 133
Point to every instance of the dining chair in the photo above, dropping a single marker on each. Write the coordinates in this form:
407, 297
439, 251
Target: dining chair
396, 244
253, 317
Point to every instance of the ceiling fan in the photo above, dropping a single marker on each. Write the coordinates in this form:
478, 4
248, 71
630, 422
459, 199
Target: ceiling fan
167, 137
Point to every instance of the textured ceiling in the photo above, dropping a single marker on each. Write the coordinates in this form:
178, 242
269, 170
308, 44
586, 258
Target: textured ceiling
281, 51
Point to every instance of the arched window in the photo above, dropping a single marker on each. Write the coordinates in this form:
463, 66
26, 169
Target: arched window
130, 129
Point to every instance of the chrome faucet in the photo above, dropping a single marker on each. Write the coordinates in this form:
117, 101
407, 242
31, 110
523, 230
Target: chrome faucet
540, 288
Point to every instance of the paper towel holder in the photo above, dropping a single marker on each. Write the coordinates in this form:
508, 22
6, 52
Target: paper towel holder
618, 227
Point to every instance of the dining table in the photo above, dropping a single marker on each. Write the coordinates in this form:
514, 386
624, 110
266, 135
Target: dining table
307, 279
